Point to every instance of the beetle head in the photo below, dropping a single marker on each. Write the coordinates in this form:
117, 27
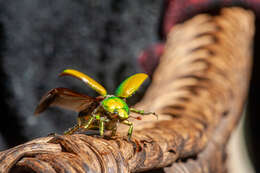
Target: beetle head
122, 113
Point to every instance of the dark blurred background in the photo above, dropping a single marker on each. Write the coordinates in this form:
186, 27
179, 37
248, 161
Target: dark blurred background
39, 39
102, 38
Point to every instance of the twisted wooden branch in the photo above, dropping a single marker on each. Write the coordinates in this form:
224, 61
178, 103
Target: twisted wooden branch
198, 90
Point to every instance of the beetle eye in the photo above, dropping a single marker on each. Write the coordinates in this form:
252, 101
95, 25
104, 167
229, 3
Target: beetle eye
116, 112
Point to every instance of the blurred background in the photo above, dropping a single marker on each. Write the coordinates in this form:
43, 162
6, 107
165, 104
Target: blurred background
39, 39
106, 39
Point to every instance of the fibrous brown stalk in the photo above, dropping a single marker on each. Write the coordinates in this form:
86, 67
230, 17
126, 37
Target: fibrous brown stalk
198, 90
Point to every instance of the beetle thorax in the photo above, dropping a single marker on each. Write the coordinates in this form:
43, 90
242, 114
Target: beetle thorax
116, 105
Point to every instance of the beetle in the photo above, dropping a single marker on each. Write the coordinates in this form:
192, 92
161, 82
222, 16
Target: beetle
103, 112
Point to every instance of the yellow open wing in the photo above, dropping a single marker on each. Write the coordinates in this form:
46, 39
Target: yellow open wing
130, 85
88, 80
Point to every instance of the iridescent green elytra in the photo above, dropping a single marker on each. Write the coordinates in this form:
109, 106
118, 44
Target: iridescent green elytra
103, 112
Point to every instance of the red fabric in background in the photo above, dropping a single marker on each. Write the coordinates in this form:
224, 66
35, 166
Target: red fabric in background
177, 11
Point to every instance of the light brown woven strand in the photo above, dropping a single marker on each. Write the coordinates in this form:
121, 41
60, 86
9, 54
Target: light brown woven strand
198, 90
220, 65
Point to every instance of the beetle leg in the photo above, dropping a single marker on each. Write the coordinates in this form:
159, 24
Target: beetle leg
101, 126
71, 130
88, 123
114, 131
142, 112
130, 130
94, 115
75, 128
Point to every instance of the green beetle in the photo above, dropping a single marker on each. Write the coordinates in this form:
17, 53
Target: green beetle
103, 112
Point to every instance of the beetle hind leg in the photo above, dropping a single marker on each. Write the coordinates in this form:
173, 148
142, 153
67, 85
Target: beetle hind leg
81, 121
72, 130
87, 124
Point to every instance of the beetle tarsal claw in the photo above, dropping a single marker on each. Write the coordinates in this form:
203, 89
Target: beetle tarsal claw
155, 114
53, 134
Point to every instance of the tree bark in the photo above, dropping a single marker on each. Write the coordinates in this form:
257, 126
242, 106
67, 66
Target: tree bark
198, 90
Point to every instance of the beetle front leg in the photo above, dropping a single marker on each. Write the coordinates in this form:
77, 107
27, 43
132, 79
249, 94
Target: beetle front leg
142, 112
130, 130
